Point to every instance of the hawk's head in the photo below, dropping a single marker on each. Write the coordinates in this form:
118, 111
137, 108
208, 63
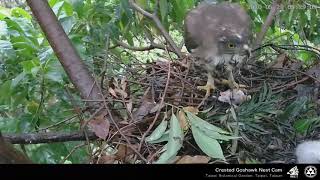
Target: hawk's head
218, 34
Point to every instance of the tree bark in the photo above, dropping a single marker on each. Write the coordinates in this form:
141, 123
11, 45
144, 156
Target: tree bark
65, 51
52, 137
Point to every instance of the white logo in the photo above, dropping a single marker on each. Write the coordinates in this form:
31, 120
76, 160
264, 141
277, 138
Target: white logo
293, 172
310, 171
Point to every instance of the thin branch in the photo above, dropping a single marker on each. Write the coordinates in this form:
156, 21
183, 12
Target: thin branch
110, 116
274, 9
158, 112
159, 26
71, 152
48, 137
147, 48
58, 123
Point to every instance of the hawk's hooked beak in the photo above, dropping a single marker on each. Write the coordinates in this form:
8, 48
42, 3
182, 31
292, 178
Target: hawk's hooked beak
247, 50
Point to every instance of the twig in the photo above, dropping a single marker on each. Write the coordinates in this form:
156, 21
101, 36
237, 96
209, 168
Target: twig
159, 26
234, 146
158, 112
58, 123
119, 130
287, 86
72, 151
146, 48
274, 9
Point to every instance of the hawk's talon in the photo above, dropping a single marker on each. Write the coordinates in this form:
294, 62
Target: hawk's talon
233, 85
208, 87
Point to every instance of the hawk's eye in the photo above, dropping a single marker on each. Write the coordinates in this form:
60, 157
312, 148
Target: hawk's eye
231, 45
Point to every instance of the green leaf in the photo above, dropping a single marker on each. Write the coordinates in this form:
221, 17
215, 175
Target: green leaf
68, 23
19, 12
24, 45
78, 6
31, 67
216, 135
25, 123
253, 5
175, 142
6, 49
54, 71
67, 7
198, 122
294, 109
303, 125
32, 107
208, 145
158, 132
179, 10
304, 56
142, 3
4, 12
129, 38
57, 7
5, 92
3, 28
19, 98
53, 2
18, 79
163, 138
12, 25
163, 9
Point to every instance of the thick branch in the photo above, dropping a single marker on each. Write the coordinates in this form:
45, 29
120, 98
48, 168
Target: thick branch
52, 137
274, 9
159, 26
63, 48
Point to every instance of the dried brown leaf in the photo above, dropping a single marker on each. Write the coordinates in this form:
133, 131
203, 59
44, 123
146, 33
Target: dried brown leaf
124, 151
184, 124
314, 71
100, 126
143, 110
112, 92
122, 93
156, 108
145, 107
129, 105
280, 61
191, 109
124, 84
107, 159
193, 160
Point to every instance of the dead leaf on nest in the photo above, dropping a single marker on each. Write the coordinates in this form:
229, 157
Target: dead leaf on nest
100, 126
107, 159
184, 124
112, 92
129, 105
191, 109
280, 62
122, 93
314, 71
146, 106
193, 160
156, 108
124, 151
235, 96
124, 83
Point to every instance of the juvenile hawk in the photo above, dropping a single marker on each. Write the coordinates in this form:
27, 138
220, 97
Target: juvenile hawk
218, 36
